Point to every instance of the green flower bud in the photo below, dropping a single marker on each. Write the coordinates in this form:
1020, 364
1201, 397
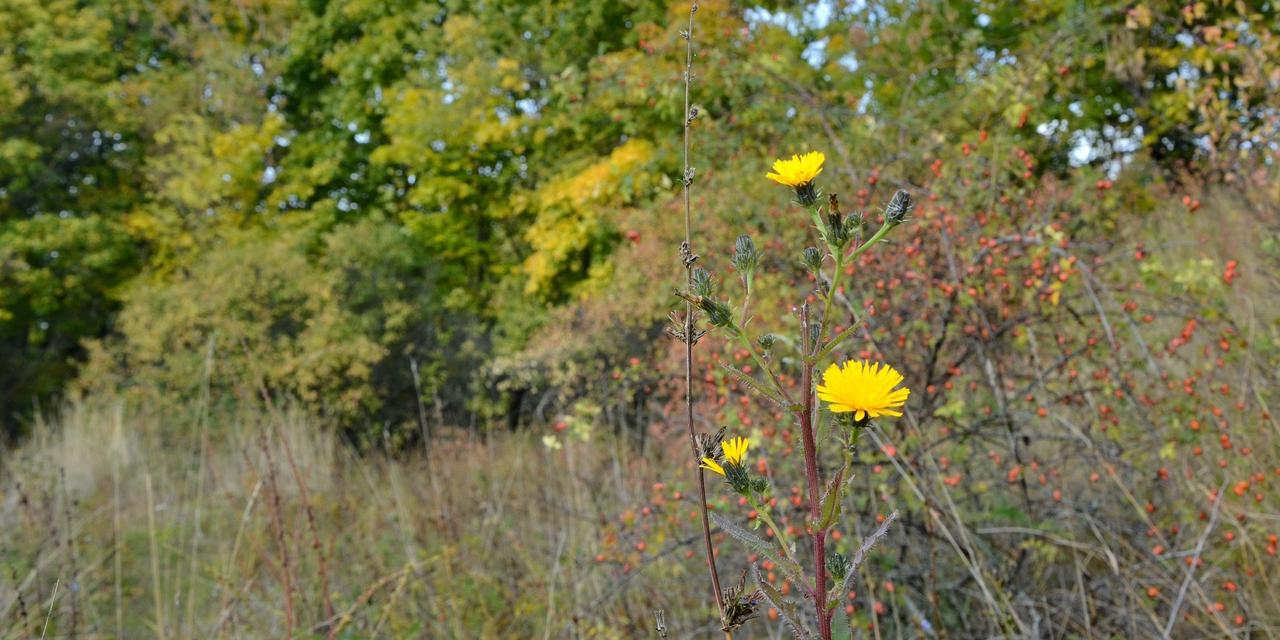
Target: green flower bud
899, 208
812, 259
745, 255
718, 313
766, 343
839, 567
703, 285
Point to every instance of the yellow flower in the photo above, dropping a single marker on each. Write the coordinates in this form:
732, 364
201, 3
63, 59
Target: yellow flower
865, 389
735, 450
799, 170
711, 465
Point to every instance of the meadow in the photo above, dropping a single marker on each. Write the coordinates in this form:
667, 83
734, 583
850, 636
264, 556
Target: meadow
359, 319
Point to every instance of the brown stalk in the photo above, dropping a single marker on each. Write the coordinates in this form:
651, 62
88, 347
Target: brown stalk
690, 337
326, 596
278, 532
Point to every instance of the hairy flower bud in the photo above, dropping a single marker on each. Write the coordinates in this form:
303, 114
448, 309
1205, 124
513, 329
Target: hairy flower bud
899, 207
718, 313
854, 222
839, 566
812, 259
835, 232
766, 343
745, 256
703, 285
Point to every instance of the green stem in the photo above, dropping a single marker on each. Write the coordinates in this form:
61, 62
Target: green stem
751, 348
831, 296
841, 261
778, 533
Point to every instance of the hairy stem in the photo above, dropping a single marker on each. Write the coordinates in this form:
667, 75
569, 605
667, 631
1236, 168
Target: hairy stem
813, 481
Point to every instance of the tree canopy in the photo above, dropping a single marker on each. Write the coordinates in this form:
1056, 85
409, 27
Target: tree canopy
421, 176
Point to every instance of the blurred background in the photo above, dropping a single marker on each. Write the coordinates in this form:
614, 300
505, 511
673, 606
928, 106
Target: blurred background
344, 318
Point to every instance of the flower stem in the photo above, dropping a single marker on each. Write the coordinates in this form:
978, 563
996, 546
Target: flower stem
831, 296
841, 261
689, 328
751, 348
814, 482
778, 533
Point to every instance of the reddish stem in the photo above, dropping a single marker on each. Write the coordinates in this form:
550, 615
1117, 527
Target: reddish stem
811, 478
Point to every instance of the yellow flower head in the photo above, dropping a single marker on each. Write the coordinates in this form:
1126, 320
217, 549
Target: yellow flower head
735, 451
799, 170
865, 389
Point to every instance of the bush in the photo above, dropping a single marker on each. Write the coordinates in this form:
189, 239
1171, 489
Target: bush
57, 282
340, 322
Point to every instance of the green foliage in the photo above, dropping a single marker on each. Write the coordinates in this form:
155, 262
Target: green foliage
64, 137
58, 280
435, 213
342, 332
524, 154
94, 96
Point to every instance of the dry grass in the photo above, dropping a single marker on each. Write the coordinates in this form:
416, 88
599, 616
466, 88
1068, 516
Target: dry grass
124, 525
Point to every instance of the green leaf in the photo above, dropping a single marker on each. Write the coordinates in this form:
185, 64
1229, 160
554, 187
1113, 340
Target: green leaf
831, 502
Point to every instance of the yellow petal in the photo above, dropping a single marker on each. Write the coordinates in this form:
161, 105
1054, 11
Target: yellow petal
712, 465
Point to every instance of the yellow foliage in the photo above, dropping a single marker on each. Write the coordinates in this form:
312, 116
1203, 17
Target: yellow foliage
600, 181
572, 210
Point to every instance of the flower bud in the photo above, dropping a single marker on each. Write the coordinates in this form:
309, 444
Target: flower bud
812, 259
703, 285
766, 342
745, 256
899, 207
839, 567
718, 313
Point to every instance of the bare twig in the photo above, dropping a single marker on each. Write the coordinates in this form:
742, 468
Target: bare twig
1191, 567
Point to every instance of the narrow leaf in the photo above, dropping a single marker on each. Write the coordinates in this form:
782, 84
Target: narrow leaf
753, 384
755, 543
786, 609
860, 556
831, 502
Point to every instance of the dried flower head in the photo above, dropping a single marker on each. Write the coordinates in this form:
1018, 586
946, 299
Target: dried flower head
741, 605
708, 444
